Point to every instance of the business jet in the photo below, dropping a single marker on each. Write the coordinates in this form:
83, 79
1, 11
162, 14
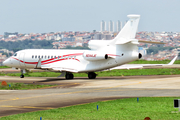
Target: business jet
104, 54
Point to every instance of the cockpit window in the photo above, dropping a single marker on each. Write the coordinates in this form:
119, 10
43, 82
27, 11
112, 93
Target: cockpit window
15, 54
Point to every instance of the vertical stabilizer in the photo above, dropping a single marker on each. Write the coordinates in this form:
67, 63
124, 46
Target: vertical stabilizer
129, 30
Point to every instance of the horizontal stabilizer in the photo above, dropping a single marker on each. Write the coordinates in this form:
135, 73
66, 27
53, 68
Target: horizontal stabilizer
142, 41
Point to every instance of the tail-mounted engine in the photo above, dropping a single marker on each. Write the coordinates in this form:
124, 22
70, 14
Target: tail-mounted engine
94, 55
140, 56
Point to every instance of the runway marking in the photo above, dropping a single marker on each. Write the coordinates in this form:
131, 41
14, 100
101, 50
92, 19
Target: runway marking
15, 99
46, 108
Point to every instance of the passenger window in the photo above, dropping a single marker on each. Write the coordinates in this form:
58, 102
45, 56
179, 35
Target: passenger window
54, 57
41, 56
48, 57
36, 56
51, 56
45, 57
32, 56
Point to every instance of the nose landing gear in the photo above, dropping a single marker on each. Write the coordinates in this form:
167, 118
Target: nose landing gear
22, 71
22, 76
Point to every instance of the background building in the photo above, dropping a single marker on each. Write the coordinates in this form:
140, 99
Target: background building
7, 34
107, 37
98, 36
111, 26
119, 25
103, 26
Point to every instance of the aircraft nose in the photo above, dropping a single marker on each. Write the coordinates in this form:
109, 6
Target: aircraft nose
7, 62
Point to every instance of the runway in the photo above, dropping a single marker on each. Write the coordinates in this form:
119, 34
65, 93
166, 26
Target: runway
83, 90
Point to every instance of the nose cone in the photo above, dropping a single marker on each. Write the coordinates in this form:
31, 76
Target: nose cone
7, 62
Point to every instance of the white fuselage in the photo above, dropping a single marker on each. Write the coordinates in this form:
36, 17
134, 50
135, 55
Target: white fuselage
73, 60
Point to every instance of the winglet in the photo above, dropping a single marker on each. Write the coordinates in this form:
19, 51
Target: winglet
173, 60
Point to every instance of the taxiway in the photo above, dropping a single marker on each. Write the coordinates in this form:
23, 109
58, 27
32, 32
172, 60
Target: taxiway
83, 90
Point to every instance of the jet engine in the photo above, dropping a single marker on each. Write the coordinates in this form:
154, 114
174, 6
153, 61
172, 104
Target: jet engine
94, 55
140, 56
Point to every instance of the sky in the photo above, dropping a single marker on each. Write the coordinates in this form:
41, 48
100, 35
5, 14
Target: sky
43, 16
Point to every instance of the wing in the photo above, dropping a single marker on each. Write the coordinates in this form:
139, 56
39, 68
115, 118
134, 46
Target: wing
139, 66
54, 68
60, 69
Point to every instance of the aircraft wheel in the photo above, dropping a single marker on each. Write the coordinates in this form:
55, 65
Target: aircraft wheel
21, 76
91, 75
72, 76
69, 76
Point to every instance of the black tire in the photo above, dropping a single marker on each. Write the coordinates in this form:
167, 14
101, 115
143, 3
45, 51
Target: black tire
21, 76
91, 75
69, 76
72, 76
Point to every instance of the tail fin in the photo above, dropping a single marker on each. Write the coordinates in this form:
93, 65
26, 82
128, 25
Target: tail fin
129, 30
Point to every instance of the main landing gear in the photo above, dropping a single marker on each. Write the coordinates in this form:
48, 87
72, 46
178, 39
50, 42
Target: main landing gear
69, 76
91, 75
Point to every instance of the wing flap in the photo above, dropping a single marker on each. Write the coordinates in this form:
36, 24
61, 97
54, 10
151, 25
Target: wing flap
61, 69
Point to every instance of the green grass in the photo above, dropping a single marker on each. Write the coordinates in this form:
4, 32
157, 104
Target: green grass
4, 67
157, 108
134, 72
22, 86
131, 72
153, 62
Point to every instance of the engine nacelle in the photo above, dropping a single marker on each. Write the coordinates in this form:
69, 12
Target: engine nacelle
140, 56
94, 55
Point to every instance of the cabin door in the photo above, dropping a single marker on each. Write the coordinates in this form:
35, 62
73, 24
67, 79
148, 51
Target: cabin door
21, 60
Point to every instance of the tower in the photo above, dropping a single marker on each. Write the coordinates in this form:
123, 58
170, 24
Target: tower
111, 26
118, 26
103, 26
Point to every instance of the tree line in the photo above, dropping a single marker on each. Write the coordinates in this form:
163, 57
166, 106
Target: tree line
155, 50
26, 44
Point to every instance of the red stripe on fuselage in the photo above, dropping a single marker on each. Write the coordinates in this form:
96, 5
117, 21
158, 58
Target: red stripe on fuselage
50, 60
57, 61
